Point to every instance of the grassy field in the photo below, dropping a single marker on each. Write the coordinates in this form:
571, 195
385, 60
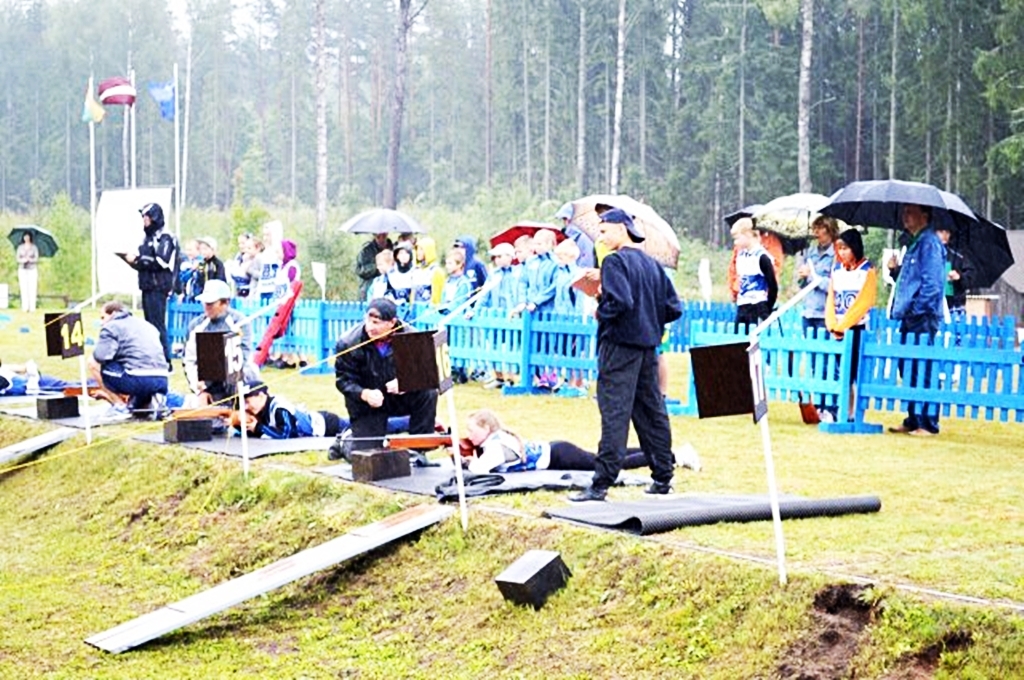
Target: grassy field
93, 536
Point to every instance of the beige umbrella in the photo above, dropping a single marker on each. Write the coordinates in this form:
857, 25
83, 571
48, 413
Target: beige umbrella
660, 240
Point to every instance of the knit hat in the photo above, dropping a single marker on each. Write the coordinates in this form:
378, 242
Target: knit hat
384, 308
853, 241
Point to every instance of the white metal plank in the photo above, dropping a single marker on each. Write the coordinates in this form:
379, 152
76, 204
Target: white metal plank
216, 599
15, 452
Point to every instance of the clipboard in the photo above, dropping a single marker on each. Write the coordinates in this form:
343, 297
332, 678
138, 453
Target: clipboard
586, 284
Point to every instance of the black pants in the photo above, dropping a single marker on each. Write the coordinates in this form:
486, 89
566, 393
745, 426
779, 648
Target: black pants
919, 415
568, 456
332, 423
751, 314
369, 425
154, 310
627, 390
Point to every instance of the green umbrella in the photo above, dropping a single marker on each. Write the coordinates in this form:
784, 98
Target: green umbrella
43, 239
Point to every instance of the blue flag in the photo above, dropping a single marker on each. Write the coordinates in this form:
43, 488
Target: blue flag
164, 95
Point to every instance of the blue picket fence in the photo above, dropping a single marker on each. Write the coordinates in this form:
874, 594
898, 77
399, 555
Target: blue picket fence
970, 369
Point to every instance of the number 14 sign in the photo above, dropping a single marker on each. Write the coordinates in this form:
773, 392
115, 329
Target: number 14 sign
65, 335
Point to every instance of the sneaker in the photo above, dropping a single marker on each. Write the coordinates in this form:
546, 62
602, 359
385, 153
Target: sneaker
921, 432
686, 457
825, 416
158, 407
341, 449
589, 494
659, 489
900, 429
31, 377
117, 412
494, 384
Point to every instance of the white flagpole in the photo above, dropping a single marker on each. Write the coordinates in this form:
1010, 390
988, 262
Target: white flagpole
131, 117
92, 196
177, 162
184, 151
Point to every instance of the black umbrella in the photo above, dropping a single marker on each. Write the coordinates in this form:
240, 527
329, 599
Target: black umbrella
879, 203
44, 240
749, 211
986, 247
382, 221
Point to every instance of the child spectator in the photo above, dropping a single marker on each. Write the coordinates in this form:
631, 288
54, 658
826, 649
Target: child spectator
475, 270
270, 261
184, 284
538, 285
568, 301
380, 287
852, 289
428, 276
400, 278
505, 295
457, 288
755, 274
209, 265
238, 268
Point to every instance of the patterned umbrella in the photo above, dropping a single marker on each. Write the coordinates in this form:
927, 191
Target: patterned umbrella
660, 240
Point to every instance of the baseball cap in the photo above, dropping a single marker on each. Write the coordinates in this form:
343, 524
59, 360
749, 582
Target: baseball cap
214, 290
619, 216
385, 309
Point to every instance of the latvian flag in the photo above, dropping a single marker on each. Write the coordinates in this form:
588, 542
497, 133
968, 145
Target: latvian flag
116, 90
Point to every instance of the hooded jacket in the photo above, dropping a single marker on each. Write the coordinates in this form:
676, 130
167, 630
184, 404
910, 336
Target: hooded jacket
132, 342
157, 259
476, 271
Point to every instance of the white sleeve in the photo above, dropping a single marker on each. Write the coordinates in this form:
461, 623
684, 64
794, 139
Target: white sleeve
492, 454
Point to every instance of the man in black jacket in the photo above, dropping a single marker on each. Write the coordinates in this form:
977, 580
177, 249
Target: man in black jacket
636, 300
959, 273
364, 371
155, 263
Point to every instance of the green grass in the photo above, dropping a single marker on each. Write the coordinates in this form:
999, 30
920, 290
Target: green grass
95, 536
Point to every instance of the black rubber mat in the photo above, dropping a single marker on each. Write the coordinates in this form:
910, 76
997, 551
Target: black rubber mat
95, 416
232, 446
440, 481
665, 514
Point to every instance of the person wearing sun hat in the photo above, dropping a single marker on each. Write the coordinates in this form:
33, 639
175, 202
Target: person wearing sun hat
636, 300
210, 266
218, 316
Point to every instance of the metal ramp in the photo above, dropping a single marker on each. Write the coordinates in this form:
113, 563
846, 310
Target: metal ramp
173, 616
24, 449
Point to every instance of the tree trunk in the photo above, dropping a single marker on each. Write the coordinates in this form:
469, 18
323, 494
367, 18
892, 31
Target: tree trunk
345, 104
488, 97
803, 118
320, 13
741, 171
526, 98
643, 105
859, 139
405, 20
581, 105
620, 84
547, 102
294, 141
892, 91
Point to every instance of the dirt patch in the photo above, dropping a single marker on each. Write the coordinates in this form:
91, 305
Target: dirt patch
825, 651
924, 664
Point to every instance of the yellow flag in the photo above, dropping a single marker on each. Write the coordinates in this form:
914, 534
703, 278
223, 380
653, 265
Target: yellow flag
92, 110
